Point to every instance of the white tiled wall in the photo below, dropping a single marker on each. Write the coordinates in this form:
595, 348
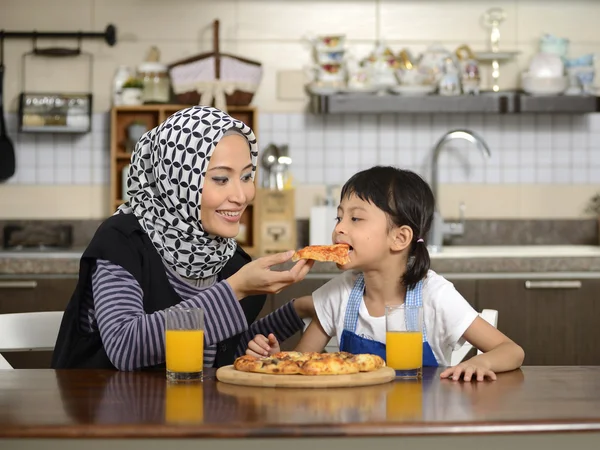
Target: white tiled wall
526, 149
62, 159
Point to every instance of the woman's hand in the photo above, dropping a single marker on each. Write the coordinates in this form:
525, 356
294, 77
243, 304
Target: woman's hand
468, 370
257, 277
261, 346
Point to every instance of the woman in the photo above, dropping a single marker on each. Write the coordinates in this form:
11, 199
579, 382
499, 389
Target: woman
191, 179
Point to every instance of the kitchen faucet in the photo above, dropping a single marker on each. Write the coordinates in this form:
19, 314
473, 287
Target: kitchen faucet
439, 228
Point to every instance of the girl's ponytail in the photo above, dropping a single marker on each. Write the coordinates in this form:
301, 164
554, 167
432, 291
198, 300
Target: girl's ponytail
418, 264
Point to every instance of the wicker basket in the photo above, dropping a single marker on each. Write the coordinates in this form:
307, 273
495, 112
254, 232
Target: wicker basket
238, 77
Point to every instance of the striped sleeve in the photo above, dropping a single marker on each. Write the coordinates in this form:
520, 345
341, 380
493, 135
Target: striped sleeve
134, 339
284, 322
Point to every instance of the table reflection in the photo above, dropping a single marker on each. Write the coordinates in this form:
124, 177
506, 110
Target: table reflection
147, 397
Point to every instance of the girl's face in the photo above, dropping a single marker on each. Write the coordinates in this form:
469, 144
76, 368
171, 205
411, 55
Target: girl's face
366, 229
228, 187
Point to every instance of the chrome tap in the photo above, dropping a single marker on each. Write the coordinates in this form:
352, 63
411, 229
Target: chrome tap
439, 228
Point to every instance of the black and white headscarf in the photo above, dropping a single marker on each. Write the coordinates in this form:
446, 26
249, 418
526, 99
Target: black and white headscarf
165, 182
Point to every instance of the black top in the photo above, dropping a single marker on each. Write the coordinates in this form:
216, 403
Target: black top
122, 241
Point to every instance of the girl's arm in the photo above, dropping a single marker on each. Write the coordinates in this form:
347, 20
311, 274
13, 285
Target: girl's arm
314, 338
500, 353
283, 323
261, 340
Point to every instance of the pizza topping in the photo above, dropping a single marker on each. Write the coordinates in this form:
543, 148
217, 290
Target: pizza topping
309, 363
337, 253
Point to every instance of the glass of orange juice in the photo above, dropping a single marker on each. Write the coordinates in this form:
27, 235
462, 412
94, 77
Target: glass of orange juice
184, 339
404, 340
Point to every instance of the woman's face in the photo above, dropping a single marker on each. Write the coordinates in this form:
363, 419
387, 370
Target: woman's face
228, 187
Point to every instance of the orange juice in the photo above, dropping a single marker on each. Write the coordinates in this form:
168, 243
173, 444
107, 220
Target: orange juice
405, 401
185, 402
404, 349
185, 350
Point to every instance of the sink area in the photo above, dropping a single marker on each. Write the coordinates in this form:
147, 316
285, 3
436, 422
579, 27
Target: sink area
517, 251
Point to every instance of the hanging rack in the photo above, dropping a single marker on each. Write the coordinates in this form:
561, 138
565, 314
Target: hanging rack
109, 34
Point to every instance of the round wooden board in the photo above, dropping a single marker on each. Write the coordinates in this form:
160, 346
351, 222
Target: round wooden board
228, 374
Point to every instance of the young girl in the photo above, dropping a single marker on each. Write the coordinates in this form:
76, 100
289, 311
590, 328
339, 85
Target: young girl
384, 215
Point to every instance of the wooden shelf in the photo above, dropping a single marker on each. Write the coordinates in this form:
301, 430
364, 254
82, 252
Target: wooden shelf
152, 116
487, 102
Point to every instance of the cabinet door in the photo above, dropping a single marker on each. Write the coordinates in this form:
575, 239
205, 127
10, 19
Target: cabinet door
553, 320
305, 287
583, 325
35, 293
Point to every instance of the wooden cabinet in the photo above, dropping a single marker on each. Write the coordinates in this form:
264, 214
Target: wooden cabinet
555, 321
35, 293
149, 116
32, 294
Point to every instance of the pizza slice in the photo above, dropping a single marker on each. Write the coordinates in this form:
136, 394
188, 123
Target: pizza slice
337, 253
329, 364
268, 365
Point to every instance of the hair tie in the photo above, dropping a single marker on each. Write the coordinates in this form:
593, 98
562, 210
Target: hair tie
420, 240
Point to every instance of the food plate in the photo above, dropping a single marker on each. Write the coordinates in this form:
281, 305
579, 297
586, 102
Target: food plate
229, 375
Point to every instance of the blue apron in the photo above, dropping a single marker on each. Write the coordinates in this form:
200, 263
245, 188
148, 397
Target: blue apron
352, 343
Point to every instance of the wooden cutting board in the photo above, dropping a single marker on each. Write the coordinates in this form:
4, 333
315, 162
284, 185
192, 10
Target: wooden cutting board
228, 374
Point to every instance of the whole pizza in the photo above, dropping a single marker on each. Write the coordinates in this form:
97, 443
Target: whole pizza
308, 363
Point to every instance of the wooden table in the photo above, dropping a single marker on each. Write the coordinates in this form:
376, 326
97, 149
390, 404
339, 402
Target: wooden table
557, 407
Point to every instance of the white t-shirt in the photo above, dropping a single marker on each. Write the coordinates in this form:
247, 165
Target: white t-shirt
446, 313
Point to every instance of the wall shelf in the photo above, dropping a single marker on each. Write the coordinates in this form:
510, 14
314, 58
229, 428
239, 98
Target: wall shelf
485, 103
563, 104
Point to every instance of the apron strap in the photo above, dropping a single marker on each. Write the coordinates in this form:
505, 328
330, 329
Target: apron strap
353, 306
414, 297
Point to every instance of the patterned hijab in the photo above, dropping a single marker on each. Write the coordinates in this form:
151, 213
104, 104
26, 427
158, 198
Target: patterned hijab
165, 183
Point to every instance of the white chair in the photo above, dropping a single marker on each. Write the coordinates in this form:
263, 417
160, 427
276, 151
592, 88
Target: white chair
36, 331
491, 317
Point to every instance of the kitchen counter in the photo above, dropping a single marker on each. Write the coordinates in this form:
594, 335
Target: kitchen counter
553, 406
455, 260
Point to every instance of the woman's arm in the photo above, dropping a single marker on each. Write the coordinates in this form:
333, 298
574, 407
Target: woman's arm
133, 339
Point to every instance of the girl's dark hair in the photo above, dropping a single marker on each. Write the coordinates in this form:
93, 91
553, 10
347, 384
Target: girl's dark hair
407, 200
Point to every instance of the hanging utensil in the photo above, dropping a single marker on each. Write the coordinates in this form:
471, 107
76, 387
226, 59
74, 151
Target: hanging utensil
7, 150
268, 161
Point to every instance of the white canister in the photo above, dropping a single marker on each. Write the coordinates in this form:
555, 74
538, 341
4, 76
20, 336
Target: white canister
124, 177
132, 96
122, 74
322, 223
